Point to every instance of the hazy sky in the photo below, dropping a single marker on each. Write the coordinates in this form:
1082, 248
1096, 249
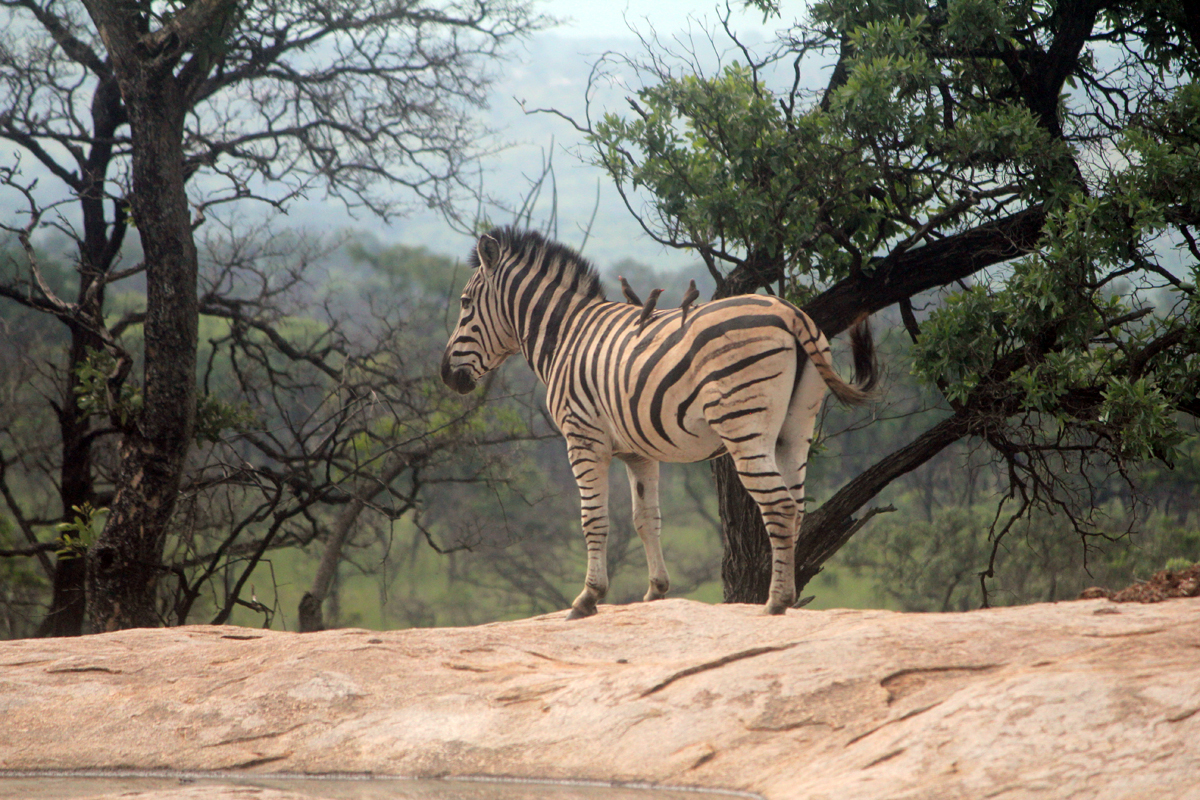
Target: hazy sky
587, 28
605, 18
551, 72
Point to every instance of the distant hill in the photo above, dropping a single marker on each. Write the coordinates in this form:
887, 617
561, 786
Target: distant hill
547, 72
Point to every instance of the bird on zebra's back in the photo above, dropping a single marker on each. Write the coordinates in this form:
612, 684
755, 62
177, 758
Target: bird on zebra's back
627, 290
745, 375
648, 308
631, 296
688, 298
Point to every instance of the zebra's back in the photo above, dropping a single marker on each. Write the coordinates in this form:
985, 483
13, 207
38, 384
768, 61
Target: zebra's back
664, 391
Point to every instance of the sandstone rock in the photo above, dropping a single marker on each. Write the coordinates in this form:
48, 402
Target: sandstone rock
1071, 700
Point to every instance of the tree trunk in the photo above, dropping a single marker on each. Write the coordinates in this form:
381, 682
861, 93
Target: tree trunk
310, 616
98, 248
76, 487
65, 617
311, 619
124, 565
746, 564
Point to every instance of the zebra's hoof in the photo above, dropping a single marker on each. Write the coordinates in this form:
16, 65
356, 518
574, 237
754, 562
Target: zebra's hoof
655, 593
775, 609
579, 613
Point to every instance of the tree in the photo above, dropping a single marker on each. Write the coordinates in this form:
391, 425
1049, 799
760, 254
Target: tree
1019, 179
410, 431
154, 116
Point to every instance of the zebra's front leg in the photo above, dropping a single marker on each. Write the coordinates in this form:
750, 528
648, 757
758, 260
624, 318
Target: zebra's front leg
591, 474
647, 519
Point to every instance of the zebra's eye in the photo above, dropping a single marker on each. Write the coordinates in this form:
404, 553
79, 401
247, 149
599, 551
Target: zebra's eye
466, 302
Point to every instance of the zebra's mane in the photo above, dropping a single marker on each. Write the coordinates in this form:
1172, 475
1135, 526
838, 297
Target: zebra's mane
559, 263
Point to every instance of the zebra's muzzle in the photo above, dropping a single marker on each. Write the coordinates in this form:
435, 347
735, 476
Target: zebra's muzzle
459, 379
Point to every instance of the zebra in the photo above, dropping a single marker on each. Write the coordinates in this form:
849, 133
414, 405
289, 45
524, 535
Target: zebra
744, 375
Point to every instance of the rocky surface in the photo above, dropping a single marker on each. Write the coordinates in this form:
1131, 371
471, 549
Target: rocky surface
1072, 700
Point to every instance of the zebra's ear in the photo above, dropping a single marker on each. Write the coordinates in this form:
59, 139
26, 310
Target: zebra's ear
488, 250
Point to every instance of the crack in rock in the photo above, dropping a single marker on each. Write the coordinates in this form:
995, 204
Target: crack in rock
886, 757
907, 681
58, 670
720, 662
256, 737
901, 718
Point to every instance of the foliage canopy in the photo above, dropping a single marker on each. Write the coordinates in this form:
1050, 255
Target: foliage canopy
1020, 178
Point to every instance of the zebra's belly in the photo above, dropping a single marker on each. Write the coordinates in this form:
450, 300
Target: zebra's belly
694, 441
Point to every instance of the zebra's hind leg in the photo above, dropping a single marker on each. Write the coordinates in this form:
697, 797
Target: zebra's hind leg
762, 478
749, 424
793, 445
591, 474
647, 519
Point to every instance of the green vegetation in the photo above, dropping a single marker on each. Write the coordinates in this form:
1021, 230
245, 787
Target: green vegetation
1011, 189
1019, 180
160, 132
945, 547
505, 516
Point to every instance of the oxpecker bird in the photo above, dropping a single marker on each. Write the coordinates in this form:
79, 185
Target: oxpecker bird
630, 295
648, 308
688, 298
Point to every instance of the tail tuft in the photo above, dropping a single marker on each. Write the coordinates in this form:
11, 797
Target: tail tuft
862, 345
866, 373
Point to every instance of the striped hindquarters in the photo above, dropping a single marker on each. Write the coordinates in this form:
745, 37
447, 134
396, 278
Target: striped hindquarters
862, 347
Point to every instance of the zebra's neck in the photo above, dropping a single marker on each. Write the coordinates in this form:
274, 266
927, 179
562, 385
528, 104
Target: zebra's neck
545, 320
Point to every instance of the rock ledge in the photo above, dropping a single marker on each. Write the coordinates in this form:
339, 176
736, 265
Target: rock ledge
1069, 700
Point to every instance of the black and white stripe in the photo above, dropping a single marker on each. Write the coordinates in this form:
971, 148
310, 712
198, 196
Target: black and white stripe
744, 375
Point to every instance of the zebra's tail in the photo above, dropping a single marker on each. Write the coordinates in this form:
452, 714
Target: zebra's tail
862, 346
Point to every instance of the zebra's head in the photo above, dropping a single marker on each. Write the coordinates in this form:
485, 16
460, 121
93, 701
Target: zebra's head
484, 336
